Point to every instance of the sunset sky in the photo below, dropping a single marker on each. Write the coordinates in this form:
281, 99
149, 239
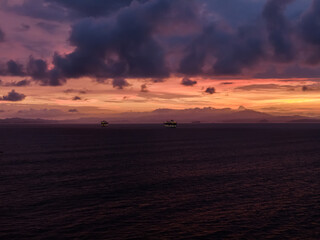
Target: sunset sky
65, 59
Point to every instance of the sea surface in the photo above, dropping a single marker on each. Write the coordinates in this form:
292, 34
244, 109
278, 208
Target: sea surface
206, 181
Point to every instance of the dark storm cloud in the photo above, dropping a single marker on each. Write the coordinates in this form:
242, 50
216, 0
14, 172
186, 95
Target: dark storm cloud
14, 68
210, 90
310, 24
1, 35
119, 83
309, 29
235, 12
13, 96
66, 10
73, 110
249, 43
40, 9
123, 39
243, 51
193, 61
233, 51
38, 70
188, 82
278, 29
94, 8
117, 49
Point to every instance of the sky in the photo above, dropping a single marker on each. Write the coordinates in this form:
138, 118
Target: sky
66, 59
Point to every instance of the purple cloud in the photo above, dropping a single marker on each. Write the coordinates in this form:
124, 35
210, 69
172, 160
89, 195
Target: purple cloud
76, 98
188, 82
210, 90
160, 38
119, 83
13, 97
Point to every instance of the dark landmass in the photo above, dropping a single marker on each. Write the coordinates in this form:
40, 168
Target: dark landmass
193, 115
306, 121
26, 121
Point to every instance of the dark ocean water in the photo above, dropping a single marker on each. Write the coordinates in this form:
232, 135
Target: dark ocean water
147, 182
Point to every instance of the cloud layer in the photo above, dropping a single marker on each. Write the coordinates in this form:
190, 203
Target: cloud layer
156, 39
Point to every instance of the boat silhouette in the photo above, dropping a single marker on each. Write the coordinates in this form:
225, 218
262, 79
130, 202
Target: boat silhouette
170, 124
104, 123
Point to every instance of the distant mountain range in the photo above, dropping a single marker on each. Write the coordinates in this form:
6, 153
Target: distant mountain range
26, 121
192, 115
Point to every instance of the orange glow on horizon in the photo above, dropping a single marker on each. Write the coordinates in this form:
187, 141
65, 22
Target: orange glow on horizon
271, 96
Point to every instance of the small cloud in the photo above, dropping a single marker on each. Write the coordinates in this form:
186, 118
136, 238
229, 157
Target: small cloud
157, 80
227, 83
119, 83
188, 82
21, 83
73, 110
210, 90
76, 98
312, 87
75, 91
263, 87
13, 97
144, 88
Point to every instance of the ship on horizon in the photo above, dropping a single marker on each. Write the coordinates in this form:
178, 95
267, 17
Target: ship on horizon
170, 124
104, 123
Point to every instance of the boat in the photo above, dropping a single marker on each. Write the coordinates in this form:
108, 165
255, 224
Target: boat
170, 124
104, 123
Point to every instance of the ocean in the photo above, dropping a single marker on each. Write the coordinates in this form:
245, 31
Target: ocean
201, 181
